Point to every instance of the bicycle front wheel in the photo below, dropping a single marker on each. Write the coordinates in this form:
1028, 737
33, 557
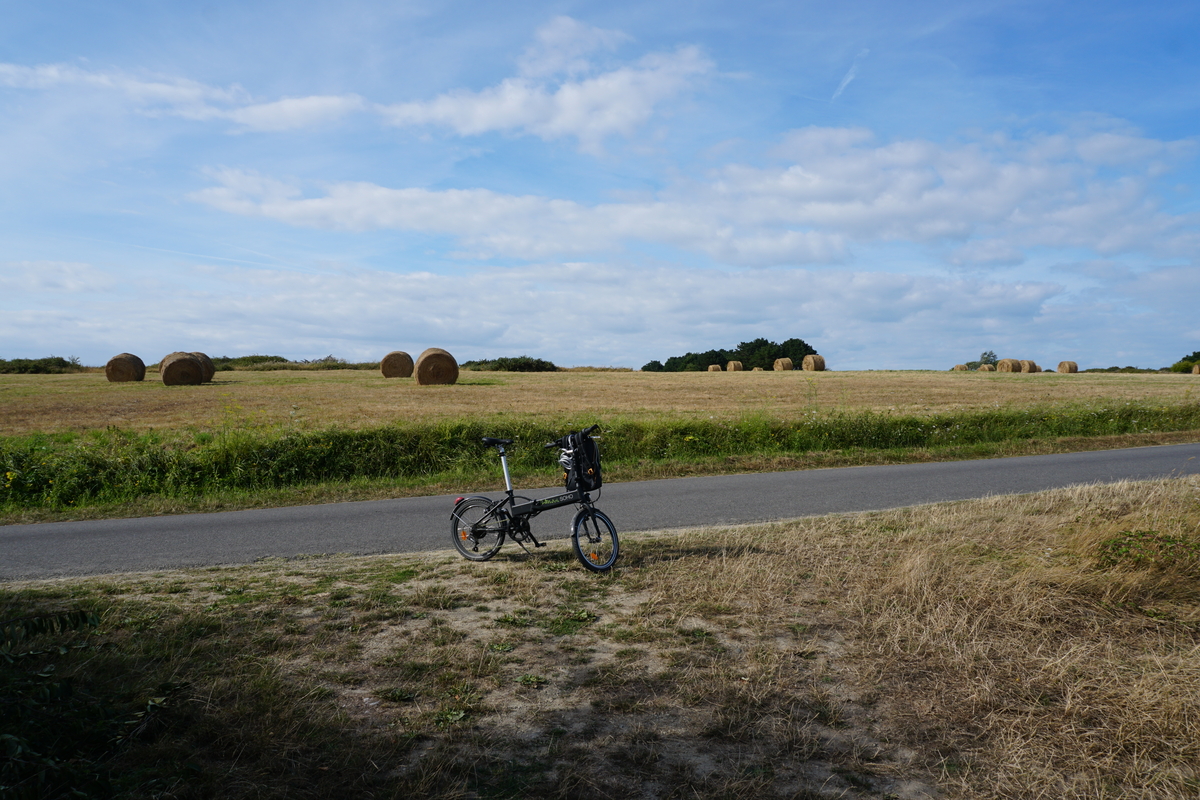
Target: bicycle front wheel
477, 528
594, 538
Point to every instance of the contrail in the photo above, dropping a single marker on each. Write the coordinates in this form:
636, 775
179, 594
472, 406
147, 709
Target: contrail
850, 73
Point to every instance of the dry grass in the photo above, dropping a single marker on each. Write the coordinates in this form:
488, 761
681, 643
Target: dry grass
1033, 646
359, 398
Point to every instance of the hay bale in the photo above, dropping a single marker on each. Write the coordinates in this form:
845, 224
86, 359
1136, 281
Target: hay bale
1008, 365
987, 368
396, 364
960, 368
1068, 366
125, 367
1029, 366
715, 368
209, 368
757, 369
733, 366
783, 364
436, 367
181, 369
1196, 369
814, 363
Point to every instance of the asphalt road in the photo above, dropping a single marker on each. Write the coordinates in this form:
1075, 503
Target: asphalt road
421, 523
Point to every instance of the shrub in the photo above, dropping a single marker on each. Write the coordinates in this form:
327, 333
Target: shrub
53, 365
225, 363
517, 364
1186, 363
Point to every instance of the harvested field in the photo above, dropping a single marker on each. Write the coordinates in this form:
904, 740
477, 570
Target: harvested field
359, 398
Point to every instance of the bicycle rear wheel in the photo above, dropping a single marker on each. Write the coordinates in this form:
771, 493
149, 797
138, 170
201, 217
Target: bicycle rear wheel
477, 529
594, 538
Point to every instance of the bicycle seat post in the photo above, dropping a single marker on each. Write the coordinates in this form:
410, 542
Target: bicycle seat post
504, 465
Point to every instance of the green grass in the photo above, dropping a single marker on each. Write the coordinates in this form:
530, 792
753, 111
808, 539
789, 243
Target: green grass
67, 471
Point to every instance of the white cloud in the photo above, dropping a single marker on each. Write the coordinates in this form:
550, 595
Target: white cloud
563, 46
558, 93
860, 319
186, 98
987, 252
642, 312
295, 112
528, 227
985, 204
52, 277
590, 109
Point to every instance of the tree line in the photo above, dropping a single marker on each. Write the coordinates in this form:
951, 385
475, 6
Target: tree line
757, 353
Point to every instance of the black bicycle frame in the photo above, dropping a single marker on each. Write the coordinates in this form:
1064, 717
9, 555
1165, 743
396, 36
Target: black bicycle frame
535, 507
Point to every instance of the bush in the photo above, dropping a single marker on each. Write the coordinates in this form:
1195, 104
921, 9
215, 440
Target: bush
225, 363
54, 365
274, 363
517, 364
1137, 370
1186, 363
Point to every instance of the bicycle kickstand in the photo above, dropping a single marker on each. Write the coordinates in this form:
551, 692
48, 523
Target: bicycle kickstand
531, 538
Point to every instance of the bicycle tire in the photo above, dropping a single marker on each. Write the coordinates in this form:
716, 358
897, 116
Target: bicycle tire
594, 539
477, 528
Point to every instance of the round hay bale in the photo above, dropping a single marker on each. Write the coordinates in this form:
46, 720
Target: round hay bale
715, 368
1068, 366
1008, 365
733, 366
396, 364
757, 369
436, 367
1196, 369
181, 369
1028, 366
960, 368
986, 368
783, 364
209, 369
814, 363
125, 367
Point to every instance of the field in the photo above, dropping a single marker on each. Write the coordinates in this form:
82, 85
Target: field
76, 447
1015, 647
362, 399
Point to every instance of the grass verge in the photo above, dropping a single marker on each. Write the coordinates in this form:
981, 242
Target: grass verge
1007, 647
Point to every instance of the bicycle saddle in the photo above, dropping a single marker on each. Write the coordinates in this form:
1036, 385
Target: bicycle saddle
489, 441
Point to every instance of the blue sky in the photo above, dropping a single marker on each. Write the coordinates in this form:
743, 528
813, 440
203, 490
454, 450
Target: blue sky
900, 185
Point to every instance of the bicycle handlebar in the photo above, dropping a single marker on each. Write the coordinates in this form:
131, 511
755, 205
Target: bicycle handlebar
561, 442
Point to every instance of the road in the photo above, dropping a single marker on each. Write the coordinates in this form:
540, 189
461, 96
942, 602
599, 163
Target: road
421, 523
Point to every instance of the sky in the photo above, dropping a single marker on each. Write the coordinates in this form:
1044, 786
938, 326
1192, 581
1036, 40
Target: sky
901, 185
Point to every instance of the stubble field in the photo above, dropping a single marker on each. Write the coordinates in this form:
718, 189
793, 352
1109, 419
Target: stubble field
360, 399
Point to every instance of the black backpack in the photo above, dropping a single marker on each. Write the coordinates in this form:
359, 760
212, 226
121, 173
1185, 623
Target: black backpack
581, 463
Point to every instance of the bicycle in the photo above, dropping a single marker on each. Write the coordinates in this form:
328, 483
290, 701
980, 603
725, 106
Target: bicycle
479, 525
